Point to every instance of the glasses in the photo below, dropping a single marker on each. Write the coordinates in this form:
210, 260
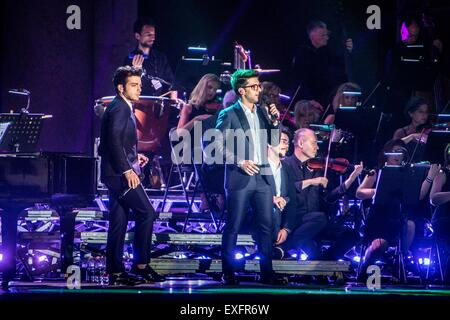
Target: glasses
256, 86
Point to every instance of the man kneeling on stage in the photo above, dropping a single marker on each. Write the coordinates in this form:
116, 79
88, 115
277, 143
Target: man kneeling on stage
120, 170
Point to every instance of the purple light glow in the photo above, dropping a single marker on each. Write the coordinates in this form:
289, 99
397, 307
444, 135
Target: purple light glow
404, 32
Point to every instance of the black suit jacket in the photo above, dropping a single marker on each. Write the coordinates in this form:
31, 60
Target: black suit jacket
118, 139
233, 118
310, 199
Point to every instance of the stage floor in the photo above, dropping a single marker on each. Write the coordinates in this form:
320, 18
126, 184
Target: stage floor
182, 298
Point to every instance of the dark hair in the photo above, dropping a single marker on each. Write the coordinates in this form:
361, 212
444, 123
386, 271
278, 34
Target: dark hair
413, 105
314, 24
123, 73
141, 22
388, 148
239, 78
287, 132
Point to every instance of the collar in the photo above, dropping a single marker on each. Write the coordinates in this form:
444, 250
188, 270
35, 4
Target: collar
128, 102
247, 110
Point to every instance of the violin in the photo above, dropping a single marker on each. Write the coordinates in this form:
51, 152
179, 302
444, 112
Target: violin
213, 106
340, 165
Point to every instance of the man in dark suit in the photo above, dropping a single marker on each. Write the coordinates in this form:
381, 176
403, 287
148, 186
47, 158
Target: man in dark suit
120, 169
247, 131
282, 187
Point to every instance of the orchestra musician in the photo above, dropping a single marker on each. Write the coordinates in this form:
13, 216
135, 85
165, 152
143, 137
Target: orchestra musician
302, 224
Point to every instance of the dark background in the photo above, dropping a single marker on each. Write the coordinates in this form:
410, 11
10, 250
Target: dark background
66, 70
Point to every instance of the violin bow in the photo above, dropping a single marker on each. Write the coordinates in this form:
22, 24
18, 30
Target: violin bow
327, 159
290, 103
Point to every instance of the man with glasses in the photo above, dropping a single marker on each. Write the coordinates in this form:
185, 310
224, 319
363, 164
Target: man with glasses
247, 132
317, 68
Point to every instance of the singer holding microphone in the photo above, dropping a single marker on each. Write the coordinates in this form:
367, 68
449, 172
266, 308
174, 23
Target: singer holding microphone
247, 131
120, 170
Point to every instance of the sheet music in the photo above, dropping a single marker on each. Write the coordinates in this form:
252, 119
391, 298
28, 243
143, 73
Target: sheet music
3, 128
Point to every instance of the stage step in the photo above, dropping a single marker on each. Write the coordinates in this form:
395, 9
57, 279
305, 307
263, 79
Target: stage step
287, 267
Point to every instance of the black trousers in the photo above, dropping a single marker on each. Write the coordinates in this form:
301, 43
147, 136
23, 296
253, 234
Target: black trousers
258, 194
119, 210
302, 236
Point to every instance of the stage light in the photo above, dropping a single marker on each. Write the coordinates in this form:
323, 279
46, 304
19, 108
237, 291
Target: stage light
357, 259
303, 256
426, 261
420, 261
238, 256
294, 255
1, 256
257, 258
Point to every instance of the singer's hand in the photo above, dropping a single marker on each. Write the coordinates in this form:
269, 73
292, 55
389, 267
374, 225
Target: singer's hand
280, 202
249, 167
282, 236
274, 113
137, 61
132, 179
143, 160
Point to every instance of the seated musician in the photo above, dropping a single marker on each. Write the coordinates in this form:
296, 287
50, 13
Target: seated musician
198, 106
415, 134
200, 109
383, 224
307, 112
343, 97
440, 197
307, 219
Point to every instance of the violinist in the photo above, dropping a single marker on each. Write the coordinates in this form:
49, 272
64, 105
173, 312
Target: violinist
201, 107
384, 225
347, 96
201, 104
303, 223
307, 112
415, 134
440, 197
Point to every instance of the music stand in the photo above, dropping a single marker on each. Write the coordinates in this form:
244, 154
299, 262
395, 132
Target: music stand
190, 70
399, 187
19, 132
399, 184
436, 143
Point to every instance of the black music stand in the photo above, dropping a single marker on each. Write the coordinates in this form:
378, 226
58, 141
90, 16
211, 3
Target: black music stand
19, 132
436, 143
399, 186
190, 70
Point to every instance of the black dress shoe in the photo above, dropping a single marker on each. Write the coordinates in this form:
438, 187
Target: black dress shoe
148, 274
123, 279
229, 279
